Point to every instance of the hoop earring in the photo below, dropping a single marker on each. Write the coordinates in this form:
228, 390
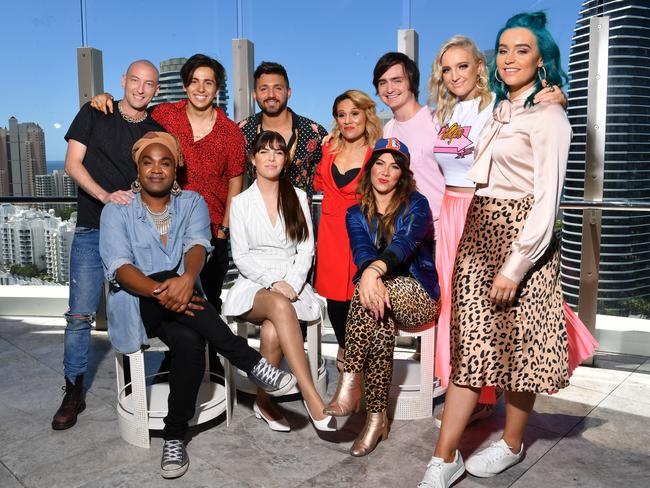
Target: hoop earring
496, 77
539, 75
136, 186
176, 189
480, 82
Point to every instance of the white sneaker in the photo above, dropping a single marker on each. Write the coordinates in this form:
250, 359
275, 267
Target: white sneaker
492, 460
440, 474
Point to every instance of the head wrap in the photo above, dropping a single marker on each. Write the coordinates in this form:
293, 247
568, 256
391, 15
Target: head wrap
167, 140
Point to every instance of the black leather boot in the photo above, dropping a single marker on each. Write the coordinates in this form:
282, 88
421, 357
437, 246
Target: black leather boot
73, 404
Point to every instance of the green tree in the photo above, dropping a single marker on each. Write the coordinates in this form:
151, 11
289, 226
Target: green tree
29, 270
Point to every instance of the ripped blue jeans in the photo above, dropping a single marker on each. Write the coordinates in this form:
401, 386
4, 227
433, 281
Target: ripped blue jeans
86, 285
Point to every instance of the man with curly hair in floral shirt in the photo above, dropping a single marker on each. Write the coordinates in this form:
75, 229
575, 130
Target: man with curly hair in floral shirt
303, 136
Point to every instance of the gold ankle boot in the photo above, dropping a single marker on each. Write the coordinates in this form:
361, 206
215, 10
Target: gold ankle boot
347, 397
376, 429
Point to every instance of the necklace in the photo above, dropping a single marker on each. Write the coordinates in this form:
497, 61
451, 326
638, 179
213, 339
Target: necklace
161, 220
201, 135
128, 118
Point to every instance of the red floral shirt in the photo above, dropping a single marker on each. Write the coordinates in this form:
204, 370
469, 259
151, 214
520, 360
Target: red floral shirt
211, 161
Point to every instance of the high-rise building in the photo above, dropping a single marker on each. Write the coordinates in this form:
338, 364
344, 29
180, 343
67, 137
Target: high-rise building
58, 243
25, 155
171, 85
5, 173
57, 183
625, 236
36, 237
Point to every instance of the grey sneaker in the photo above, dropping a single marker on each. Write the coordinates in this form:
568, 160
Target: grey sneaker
174, 460
272, 380
440, 474
494, 459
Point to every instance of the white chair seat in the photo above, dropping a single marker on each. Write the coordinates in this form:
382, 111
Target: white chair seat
145, 407
412, 391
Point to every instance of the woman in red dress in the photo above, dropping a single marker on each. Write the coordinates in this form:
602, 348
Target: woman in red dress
356, 129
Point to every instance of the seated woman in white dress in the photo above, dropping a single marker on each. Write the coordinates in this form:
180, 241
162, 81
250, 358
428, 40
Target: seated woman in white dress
273, 246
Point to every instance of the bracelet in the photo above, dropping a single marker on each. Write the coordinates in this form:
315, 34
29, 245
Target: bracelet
225, 230
373, 267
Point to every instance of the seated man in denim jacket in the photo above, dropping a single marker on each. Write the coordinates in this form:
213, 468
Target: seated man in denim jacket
152, 251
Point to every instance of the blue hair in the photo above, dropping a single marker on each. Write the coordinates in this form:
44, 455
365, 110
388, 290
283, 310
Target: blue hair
536, 23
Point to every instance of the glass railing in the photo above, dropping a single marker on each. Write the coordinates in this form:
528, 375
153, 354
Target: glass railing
36, 236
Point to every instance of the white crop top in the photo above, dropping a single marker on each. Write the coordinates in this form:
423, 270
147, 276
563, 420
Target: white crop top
455, 142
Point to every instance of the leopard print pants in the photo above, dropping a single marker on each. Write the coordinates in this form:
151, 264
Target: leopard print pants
522, 347
369, 343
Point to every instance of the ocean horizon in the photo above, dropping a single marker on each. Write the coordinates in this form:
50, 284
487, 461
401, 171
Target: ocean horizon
54, 165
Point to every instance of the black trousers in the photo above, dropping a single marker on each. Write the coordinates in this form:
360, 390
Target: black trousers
186, 337
337, 311
214, 272
213, 275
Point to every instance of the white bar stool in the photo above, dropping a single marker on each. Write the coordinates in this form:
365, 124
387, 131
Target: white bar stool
145, 407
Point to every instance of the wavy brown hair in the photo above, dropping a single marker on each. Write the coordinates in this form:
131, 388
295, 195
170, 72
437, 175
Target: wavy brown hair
400, 200
295, 220
363, 102
445, 100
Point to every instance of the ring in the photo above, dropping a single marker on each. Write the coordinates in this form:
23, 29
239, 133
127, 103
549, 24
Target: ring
551, 88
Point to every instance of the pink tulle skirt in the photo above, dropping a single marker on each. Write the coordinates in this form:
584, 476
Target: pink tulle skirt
451, 223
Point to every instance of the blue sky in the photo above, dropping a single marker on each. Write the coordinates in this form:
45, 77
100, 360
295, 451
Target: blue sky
326, 46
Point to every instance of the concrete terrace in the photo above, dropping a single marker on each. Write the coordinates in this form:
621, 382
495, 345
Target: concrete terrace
593, 434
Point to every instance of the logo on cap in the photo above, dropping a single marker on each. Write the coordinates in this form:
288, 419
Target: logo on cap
393, 143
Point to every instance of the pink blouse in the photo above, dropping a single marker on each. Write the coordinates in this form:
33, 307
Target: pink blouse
522, 152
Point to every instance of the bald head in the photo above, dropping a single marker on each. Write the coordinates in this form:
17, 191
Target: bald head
143, 64
140, 84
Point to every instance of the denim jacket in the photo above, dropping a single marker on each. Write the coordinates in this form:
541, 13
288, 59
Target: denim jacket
128, 236
412, 243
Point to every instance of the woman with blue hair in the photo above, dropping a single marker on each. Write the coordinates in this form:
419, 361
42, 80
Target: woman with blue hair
507, 324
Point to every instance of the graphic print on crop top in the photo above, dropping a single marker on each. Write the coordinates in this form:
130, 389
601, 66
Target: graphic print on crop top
454, 139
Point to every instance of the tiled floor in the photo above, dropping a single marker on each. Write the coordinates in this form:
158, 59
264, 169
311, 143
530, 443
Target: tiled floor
595, 433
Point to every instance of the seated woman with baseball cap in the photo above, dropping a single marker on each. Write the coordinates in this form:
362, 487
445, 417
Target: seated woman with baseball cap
153, 250
391, 236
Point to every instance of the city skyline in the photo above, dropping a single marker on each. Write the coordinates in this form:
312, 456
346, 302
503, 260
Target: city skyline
327, 47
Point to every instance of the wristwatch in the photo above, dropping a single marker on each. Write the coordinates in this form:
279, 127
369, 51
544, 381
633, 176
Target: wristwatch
225, 230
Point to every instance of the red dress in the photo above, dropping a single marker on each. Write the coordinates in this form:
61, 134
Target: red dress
334, 265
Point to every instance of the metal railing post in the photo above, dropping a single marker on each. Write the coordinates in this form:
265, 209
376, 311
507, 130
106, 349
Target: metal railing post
408, 43
90, 73
594, 169
243, 58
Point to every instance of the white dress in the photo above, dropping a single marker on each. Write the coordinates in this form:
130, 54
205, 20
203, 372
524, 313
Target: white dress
264, 255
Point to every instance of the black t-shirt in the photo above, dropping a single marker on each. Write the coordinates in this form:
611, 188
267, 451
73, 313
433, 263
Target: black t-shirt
108, 140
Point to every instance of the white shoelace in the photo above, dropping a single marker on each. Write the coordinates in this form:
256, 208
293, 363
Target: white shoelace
172, 452
269, 373
497, 451
432, 475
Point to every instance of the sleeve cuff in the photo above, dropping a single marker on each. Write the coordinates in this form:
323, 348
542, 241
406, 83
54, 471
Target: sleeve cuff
111, 271
516, 266
390, 259
198, 242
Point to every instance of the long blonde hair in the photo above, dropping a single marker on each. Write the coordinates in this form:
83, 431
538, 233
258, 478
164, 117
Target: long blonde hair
445, 100
363, 102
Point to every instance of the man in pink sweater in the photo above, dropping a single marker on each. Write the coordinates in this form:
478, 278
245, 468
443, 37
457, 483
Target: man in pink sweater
397, 78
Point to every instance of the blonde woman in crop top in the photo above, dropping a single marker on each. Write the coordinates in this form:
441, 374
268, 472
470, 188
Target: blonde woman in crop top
464, 104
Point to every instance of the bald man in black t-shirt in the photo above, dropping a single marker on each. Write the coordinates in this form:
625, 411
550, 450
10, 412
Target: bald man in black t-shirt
99, 160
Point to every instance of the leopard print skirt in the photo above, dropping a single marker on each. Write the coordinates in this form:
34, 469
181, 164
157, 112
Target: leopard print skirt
522, 347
